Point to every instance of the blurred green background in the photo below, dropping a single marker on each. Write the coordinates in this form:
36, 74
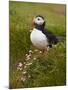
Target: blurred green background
47, 70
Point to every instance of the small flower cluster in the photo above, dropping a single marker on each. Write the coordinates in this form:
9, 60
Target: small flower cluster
19, 67
28, 56
24, 66
28, 61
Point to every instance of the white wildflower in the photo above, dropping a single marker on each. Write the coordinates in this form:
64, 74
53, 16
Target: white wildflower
26, 54
20, 64
30, 30
34, 58
24, 72
28, 57
30, 51
40, 52
25, 67
23, 79
28, 64
35, 50
19, 68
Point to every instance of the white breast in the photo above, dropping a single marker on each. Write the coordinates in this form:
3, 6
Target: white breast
38, 39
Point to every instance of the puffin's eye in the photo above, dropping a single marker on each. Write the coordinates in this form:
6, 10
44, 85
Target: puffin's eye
38, 19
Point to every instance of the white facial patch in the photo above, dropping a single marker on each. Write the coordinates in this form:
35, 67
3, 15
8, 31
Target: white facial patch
39, 20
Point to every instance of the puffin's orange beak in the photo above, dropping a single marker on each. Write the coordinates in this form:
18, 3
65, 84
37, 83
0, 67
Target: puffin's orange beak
33, 24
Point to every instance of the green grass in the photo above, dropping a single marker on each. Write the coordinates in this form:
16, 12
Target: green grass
46, 70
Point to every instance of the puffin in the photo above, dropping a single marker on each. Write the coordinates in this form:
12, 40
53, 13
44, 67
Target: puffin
40, 37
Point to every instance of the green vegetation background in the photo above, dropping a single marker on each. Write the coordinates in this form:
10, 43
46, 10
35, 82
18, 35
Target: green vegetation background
47, 70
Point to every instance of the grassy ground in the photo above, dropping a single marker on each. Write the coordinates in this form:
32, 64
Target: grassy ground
38, 70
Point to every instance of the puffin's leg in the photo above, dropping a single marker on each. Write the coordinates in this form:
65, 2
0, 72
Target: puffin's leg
43, 50
46, 50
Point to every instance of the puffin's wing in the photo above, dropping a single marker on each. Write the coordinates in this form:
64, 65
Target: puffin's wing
51, 37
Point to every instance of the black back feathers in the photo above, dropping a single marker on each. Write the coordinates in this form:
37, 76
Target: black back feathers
50, 36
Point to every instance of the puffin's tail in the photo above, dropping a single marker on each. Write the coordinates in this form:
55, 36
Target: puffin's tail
60, 38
